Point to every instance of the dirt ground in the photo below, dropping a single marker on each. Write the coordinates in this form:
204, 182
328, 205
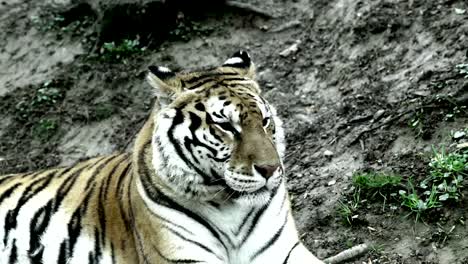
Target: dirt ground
346, 76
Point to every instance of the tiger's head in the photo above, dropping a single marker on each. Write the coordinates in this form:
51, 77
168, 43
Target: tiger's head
215, 137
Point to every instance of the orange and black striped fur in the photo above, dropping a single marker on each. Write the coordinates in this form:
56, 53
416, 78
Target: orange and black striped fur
203, 184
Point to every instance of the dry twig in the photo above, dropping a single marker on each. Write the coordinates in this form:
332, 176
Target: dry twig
348, 254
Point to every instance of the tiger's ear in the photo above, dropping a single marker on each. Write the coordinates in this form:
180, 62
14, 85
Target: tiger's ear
241, 63
166, 83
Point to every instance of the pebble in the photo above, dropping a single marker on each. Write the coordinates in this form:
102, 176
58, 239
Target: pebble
459, 11
459, 134
327, 153
332, 182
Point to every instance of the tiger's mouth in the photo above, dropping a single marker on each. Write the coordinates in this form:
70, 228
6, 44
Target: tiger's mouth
243, 182
246, 184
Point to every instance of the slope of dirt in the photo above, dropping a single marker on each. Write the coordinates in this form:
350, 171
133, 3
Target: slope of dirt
356, 73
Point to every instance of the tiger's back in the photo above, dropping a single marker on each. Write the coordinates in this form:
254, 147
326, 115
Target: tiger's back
67, 214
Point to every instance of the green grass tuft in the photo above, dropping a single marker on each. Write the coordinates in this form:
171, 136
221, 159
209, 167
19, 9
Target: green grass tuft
116, 52
375, 180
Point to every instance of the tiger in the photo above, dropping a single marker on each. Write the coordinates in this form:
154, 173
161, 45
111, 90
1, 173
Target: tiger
203, 183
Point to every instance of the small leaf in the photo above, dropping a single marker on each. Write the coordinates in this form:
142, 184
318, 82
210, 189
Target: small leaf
444, 197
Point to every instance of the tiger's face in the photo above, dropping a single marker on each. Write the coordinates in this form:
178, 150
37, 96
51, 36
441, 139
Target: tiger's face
216, 138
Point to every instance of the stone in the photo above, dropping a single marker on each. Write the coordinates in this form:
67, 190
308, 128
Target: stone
459, 134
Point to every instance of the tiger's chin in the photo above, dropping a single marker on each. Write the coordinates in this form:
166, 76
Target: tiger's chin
258, 197
251, 190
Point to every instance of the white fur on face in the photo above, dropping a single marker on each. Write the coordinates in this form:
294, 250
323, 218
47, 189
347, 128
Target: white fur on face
171, 168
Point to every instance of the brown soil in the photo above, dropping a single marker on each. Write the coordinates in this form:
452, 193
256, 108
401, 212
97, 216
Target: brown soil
363, 71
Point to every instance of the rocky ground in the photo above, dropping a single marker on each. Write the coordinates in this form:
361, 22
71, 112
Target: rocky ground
361, 85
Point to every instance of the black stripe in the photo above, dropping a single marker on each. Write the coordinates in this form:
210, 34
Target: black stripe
215, 114
98, 169
143, 170
213, 133
6, 194
136, 235
167, 221
112, 253
120, 196
111, 174
179, 119
102, 217
289, 253
169, 260
272, 240
164, 200
194, 125
37, 227
218, 159
283, 201
30, 191
209, 75
175, 232
195, 86
244, 222
5, 178
188, 145
95, 255
74, 225
31, 174
255, 221
63, 256
122, 176
224, 82
65, 187
13, 253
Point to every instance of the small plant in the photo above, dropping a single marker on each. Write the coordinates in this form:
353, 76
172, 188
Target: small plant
44, 98
443, 184
417, 123
447, 172
127, 47
417, 204
47, 95
102, 111
45, 128
463, 69
347, 210
47, 21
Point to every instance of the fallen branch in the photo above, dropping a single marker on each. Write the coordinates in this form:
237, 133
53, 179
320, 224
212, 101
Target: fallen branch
348, 254
248, 8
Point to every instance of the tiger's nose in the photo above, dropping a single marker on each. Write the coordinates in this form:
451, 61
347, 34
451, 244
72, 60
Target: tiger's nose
266, 170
